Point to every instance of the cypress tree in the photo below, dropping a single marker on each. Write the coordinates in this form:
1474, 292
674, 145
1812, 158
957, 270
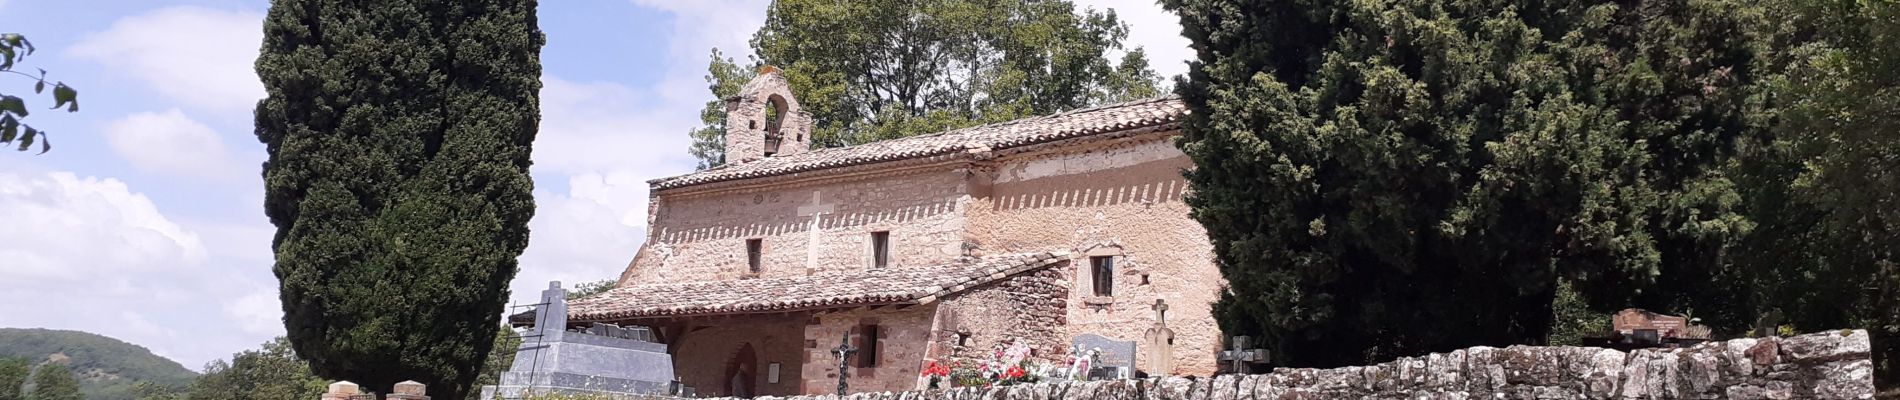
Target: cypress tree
1392, 177
399, 135
54, 381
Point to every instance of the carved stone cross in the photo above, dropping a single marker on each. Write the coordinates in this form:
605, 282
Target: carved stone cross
1241, 355
1160, 342
816, 211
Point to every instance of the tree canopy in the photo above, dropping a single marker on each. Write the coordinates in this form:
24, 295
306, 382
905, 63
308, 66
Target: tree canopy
55, 381
398, 135
882, 69
13, 373
1386, 178
1389, 178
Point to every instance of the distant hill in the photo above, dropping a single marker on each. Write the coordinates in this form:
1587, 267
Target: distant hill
107, 367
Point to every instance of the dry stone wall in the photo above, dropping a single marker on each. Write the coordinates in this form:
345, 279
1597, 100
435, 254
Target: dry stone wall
1831, 365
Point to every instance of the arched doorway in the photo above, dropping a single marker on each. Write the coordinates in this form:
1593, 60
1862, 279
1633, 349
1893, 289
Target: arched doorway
742, 372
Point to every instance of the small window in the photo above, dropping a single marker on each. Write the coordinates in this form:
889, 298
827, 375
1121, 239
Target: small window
754, 254
1102, 272
880, 249
867, 349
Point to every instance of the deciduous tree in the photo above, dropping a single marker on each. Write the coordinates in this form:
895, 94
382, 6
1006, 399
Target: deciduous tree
14, 48
882, 69
268, 373
13, 373
399, 135
54, 381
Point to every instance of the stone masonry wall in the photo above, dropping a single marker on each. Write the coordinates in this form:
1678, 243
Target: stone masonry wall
702, 236
903, 340
1119, 198
1030, 306
1829, 365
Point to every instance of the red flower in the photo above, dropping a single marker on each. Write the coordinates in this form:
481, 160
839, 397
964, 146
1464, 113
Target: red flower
935, 369
1014, 372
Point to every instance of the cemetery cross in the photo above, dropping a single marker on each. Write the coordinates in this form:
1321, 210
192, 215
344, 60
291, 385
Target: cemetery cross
843, 352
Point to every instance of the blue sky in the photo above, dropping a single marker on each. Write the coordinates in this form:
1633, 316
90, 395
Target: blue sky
145, 222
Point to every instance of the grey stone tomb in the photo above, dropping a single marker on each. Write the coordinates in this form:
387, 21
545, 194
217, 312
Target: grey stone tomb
1115, 359
599, 360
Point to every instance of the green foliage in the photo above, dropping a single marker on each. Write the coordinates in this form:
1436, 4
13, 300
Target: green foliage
1572, 319
723, 78
585, 289
111, 368
503, 356
54, 381
1387, 178
13, 372
398, 135
882, 69
14, 48
1825, 187
270, 373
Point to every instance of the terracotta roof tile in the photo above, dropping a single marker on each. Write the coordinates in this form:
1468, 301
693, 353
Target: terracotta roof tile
819, 291
998, 136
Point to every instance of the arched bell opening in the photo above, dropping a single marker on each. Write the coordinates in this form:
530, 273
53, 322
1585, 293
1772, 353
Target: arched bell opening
774, 119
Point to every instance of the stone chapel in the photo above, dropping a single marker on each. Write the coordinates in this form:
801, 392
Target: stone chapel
917, 249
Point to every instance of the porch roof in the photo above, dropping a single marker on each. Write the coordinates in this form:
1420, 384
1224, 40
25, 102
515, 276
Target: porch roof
909, 285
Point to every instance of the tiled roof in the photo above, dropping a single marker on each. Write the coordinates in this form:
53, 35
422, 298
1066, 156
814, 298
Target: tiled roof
998, 136
819, 291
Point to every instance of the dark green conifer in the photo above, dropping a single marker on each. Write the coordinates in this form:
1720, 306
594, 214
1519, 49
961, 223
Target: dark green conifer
398, 134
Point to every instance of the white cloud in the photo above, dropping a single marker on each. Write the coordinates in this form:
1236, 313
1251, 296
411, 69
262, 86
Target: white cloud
171, 143
259, 312
698, 27
606, 139
195, 56
585, 235
91, 254
1154, 29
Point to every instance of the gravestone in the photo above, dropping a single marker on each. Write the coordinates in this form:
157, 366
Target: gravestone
1114, 359
597, 360
1160, 342
1243, 356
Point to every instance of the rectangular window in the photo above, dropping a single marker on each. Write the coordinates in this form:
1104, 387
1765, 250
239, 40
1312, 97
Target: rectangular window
880, 249
754, 254
867, 348
1102, 272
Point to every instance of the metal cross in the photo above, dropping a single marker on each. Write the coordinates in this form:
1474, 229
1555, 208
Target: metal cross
843, 352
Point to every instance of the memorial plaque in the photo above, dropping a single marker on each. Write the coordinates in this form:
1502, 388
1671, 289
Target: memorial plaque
1114, 359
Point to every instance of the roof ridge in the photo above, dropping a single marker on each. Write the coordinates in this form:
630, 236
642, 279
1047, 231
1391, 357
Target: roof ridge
1105, 118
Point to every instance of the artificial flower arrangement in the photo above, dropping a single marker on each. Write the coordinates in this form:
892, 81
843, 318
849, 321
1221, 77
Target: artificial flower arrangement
1009, 364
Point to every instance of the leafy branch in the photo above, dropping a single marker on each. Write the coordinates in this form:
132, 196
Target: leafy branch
13, 49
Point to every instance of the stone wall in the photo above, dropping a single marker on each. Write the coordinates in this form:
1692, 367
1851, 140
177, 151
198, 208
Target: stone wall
1030, 306
805, 228
1120, 198
903, 340
1830, 365
711, 353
